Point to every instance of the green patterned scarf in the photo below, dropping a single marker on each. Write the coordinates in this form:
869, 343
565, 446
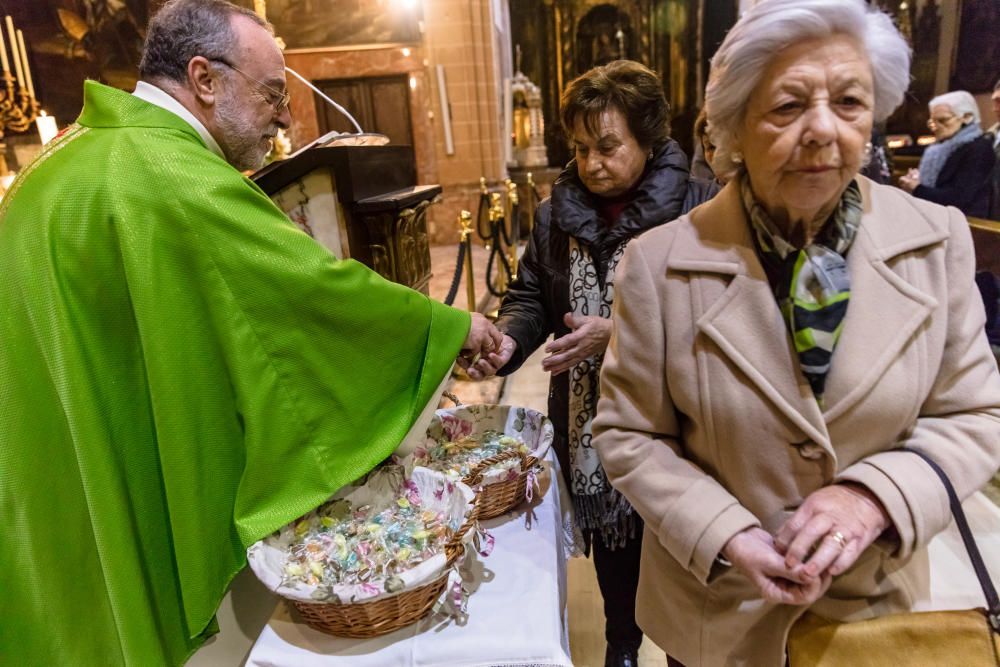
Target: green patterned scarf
811, 284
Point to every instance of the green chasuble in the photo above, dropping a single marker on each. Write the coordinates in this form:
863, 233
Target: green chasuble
182, 371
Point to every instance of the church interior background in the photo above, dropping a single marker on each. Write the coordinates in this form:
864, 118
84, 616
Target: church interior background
438, 74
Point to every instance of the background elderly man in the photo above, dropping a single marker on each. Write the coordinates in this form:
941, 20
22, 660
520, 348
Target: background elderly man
182, 370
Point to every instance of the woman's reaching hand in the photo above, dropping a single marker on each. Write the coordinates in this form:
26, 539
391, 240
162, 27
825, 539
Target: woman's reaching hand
489, 364
589, 336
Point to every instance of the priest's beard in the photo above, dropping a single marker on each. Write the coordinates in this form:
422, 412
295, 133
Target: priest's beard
243, 142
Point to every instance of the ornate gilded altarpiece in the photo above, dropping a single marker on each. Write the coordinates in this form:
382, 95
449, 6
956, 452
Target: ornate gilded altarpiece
561, 39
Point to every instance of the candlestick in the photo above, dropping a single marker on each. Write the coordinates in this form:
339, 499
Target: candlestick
13, 48
3, 54
27, 67
47, 127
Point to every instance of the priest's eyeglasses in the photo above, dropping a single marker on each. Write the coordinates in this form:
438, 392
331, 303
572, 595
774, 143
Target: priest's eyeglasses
277, 99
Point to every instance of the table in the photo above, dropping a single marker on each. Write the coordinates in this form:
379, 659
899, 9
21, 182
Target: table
516, 611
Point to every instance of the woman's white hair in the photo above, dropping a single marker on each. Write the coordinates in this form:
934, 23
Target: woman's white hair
772, 26
960, 102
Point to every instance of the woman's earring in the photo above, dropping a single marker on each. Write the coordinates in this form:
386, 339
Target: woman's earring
867, 155
736, 157
650, 155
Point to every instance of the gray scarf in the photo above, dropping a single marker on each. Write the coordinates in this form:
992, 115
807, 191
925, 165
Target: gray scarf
937, 154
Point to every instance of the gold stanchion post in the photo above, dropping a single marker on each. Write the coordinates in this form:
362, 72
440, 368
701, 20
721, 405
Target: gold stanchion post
465, 220
531, 204
496, 218
485, 191
512, 206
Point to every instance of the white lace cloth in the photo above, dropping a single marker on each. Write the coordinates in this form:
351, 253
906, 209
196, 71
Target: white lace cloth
516, 612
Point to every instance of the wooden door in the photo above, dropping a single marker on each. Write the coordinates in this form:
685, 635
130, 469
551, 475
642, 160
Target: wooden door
379, 104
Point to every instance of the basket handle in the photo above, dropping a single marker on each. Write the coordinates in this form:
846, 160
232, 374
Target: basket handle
454, 546
476, 475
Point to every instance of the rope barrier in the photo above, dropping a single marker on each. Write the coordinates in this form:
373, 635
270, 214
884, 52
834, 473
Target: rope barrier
500, 230
457, 277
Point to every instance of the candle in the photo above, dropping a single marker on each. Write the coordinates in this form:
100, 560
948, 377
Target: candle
47, 128
3, 54
13, 48
27, 67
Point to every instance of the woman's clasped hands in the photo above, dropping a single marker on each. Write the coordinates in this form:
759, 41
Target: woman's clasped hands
821, 540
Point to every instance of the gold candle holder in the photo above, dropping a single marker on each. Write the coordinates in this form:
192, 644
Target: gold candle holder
18, 105
18, 110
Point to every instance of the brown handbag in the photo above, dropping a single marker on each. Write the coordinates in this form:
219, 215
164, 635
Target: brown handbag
970, 638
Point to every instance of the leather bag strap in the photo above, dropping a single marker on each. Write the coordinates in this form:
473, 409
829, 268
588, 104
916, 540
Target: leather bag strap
992, 601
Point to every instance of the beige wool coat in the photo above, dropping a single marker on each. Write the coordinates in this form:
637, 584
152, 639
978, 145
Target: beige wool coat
708, 427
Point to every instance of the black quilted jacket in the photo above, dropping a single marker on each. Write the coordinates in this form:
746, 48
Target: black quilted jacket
537, 300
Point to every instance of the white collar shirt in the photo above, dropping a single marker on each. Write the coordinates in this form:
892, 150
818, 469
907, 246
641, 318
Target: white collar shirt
155, 95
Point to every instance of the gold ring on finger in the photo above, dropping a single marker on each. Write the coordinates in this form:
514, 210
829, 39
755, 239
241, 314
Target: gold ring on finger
839, 538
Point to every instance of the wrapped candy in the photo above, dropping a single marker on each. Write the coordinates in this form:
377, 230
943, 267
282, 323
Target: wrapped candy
340, 544
460, 456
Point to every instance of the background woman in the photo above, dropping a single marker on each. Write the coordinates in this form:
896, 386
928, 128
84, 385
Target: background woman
774, 350
956, 170
627, 176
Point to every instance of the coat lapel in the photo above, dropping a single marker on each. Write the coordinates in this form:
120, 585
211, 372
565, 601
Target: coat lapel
885, 310
744, 322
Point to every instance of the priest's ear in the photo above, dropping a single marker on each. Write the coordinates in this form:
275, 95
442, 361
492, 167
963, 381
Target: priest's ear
203, 80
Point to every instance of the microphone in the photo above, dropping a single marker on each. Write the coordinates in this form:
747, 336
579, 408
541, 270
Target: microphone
323, 95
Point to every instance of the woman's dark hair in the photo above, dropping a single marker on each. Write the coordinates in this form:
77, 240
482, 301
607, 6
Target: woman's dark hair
625, 85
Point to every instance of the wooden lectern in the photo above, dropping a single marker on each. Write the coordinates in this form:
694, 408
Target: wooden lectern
361, 202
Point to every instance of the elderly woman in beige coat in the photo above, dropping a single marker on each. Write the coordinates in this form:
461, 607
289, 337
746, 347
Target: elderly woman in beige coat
775, 350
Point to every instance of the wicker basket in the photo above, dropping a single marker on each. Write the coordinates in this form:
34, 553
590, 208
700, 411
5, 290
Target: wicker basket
384, 615
500, 497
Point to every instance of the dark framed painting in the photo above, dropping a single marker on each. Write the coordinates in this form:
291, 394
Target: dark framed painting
977, 61
323, 24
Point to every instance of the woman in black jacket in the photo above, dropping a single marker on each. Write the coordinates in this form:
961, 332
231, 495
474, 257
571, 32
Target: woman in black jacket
627, 176
957, 169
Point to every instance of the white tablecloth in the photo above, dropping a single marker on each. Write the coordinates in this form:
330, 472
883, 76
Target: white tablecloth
516, 612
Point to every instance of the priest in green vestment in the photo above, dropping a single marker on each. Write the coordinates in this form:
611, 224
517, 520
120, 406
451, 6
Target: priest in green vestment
182, 371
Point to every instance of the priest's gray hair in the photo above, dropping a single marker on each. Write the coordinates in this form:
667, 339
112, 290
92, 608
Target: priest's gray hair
183, 29
771, 26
